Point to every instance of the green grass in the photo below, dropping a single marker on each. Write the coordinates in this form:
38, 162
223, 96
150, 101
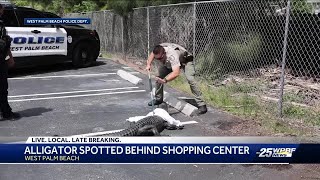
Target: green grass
240, 104
294, 111
236, 102
234, 99
107, 55
291, 97
280, 127
181, 84
307, 115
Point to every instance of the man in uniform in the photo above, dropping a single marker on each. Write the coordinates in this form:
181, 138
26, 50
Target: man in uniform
5, 108
174, 58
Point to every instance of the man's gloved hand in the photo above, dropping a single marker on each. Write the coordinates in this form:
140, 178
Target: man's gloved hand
160, 80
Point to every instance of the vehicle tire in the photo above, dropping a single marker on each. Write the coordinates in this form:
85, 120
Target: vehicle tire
83, 56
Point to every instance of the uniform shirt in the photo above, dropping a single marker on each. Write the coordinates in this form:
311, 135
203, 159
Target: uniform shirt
2, 25
174, 53
3, 34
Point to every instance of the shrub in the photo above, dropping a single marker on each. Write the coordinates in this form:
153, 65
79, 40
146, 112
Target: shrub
237, 55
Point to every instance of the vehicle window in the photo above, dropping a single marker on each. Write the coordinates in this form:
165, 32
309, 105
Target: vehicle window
49, 15
28, 14
9, 18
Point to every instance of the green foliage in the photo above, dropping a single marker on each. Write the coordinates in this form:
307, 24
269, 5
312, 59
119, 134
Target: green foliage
209, 65
33, 3
85, 6
234, 98
105, 7
301, 6
181, 83
237, 54
245, 52
292, 97
308, 115
143, 3
245, 87
294, 111
122, 7
22, 2
62, 6
241, 104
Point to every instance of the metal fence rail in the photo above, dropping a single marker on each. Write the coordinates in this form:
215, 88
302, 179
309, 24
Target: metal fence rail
268, 48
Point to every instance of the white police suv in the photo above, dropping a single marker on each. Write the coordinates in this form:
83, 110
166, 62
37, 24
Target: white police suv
47, 44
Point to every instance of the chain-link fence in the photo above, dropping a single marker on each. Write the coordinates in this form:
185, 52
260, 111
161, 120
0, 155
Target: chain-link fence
261, 55
109, 26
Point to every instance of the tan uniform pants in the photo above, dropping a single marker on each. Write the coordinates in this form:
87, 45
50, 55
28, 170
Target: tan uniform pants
189, 72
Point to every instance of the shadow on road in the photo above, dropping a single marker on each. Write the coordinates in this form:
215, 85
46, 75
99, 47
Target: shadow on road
34, 112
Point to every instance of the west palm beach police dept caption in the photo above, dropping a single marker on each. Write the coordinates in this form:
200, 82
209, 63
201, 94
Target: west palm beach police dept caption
57, 21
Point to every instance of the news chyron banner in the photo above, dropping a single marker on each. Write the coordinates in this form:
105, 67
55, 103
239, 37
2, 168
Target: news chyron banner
157, 150
56, 21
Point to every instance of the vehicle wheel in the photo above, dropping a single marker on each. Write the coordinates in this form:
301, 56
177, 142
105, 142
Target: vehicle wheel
83, 56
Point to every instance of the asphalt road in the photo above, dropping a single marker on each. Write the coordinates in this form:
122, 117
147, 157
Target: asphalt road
60, 100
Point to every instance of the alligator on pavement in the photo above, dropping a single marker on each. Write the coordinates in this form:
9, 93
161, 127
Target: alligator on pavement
147, 126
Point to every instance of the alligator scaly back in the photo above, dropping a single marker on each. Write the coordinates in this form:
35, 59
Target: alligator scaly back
150, 125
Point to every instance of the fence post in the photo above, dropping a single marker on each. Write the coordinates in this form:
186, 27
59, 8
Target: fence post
194, 35
284, 53
148, 26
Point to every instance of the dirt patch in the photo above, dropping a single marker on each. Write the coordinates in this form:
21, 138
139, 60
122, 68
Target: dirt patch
137, 67
224, 125
236, 127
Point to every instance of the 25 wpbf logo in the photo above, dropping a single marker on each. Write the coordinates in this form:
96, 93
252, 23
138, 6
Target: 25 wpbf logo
276, 152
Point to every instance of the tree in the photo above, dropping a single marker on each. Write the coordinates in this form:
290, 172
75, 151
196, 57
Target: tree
122, 7
301, 6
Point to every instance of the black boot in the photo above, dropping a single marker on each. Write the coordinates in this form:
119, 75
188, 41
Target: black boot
202, 109
155, 102
11, 116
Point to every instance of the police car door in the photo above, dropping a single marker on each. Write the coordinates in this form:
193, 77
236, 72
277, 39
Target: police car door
42, 40
15, 32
